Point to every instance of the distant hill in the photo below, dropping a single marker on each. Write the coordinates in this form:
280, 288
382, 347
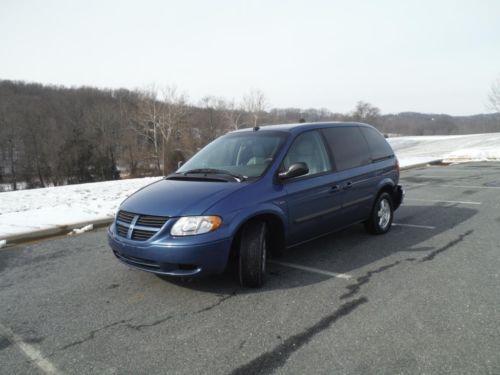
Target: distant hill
414, 123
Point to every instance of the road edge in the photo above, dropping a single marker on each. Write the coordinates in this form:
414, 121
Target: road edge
55, 231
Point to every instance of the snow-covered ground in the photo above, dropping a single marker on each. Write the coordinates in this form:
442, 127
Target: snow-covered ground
26, 211
452, 148
37, 210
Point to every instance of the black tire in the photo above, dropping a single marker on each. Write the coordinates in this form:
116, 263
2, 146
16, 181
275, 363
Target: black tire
252, 254
379, 222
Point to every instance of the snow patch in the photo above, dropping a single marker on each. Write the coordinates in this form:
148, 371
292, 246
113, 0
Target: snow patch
84, 229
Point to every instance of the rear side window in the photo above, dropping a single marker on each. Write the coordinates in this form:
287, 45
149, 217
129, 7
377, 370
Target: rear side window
348, 147
379, 147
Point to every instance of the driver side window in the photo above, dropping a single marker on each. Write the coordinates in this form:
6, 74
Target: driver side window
308, 148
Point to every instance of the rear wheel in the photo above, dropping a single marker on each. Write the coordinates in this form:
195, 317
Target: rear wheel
382, 214
252, 254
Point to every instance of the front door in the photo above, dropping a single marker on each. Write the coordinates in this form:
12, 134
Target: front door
313, 200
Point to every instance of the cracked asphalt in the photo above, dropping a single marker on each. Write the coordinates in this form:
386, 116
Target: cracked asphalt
422, 299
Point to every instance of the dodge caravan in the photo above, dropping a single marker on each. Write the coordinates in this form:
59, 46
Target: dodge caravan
255, 192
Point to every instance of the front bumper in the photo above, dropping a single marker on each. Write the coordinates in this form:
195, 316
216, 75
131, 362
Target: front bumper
183, 260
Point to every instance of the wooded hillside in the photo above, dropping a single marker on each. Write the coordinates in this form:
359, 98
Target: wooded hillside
53, 135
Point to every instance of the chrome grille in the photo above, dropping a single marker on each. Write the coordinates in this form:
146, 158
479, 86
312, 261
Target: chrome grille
122, 231
125, 217
142, 235
144, 226
151, 221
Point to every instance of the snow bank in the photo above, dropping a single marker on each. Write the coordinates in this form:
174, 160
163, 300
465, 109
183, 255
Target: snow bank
26, 211
453, 148
473, 154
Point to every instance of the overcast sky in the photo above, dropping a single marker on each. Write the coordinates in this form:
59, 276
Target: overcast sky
428, 56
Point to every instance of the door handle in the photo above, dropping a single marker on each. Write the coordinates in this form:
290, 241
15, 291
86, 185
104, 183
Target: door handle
348, 185
334, 189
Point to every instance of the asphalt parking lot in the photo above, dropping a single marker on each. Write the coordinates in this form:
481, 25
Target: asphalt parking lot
424, 298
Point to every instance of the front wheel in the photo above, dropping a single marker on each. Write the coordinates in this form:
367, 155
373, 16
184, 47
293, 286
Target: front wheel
252, 255
382, 214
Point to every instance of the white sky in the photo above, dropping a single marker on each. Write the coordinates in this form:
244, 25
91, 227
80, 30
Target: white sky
428, 56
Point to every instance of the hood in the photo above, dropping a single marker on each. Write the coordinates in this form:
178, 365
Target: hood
178, 197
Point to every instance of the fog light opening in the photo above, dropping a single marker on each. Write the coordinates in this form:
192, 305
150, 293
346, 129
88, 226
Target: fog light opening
187, 267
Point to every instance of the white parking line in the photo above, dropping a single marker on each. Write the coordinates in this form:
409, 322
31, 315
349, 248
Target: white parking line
453, 186
434, 176
311, 269
33, 354
440, 201
471, 186
413, 226
412, 185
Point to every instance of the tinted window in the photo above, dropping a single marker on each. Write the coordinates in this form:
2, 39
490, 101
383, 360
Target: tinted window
308, 148
348, 147
379, 147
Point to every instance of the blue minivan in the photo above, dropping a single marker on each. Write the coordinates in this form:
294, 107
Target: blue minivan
257, 191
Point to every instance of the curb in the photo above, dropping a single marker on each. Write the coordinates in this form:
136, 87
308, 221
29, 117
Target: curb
56, 231
432, 162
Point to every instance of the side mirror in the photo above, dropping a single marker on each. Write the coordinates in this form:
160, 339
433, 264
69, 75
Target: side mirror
179, 164
294, 170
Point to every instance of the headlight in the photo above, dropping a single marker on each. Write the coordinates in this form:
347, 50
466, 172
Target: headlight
190, 225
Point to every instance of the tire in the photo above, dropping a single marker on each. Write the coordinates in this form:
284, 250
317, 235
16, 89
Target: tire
382, 214
253, 254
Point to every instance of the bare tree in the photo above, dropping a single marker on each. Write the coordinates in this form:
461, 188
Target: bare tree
232, 114
365, 112
133, 148
173, 117
162, 114
213, 109
37, 134
10, 140
255, 103
148, 121
494, 97
103, 120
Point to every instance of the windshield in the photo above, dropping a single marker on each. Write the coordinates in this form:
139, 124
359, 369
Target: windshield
244, 154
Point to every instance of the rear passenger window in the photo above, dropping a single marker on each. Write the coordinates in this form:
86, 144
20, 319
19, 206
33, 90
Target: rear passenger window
379, 147
348, 147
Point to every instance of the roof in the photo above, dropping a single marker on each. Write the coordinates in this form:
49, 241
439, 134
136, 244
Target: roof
303, 126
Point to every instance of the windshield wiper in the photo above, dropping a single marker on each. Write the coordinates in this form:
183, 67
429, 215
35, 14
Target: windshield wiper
237, 177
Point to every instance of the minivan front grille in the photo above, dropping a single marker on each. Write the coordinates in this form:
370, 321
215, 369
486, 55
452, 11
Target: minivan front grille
143, 226
142, 235
122, 231
125, 217
151, 221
